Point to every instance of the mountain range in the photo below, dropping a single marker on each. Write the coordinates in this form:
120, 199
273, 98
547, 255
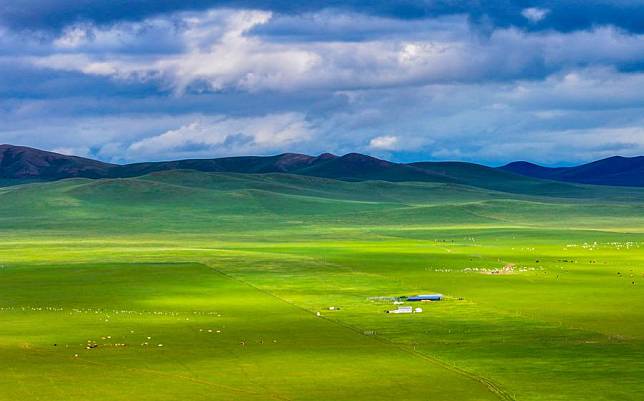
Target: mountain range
21, 163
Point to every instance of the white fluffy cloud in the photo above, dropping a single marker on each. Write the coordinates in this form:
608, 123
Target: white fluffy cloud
217, 136
385, 142
217, 50
534, 14
214, 52
556, 146
570, 117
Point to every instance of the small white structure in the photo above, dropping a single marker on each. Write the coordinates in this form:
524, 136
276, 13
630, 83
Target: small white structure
402, 309
418, 310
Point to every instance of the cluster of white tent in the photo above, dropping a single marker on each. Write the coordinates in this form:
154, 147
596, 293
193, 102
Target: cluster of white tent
104, 311
406, 309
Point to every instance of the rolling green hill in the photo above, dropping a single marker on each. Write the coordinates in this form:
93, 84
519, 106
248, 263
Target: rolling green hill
189, 200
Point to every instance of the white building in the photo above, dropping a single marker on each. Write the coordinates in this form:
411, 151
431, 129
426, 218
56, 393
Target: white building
402, 309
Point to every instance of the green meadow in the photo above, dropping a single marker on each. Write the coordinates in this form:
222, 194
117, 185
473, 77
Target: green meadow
203, 286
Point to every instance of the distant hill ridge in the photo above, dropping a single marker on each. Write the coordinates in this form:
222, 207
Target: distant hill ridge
616, 170
24, 163
21, 162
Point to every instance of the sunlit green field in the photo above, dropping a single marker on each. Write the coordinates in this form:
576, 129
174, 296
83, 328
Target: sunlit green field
193, 286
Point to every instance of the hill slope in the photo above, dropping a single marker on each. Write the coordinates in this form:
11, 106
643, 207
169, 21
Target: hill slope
19, 162
616, 170
27, 163
191, 201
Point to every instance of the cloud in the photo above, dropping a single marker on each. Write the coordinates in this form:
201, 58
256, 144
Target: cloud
386, 142
565, 16
569, 146
534, 14
224, 135
81, 151
218, 51
229, 81
492, 123
215, 53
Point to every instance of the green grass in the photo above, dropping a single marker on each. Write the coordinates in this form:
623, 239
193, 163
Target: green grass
173, 255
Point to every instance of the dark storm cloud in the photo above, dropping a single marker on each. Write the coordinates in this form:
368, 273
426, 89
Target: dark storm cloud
563, 15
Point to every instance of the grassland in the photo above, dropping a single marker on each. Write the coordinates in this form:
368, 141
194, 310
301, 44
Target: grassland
226, 275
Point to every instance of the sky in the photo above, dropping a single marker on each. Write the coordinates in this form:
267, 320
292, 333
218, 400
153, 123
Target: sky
554, 82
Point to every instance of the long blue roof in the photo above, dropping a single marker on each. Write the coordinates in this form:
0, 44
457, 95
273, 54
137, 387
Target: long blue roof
426, 297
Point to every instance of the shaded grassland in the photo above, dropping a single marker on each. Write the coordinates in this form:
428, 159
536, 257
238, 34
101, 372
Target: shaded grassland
228, 273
